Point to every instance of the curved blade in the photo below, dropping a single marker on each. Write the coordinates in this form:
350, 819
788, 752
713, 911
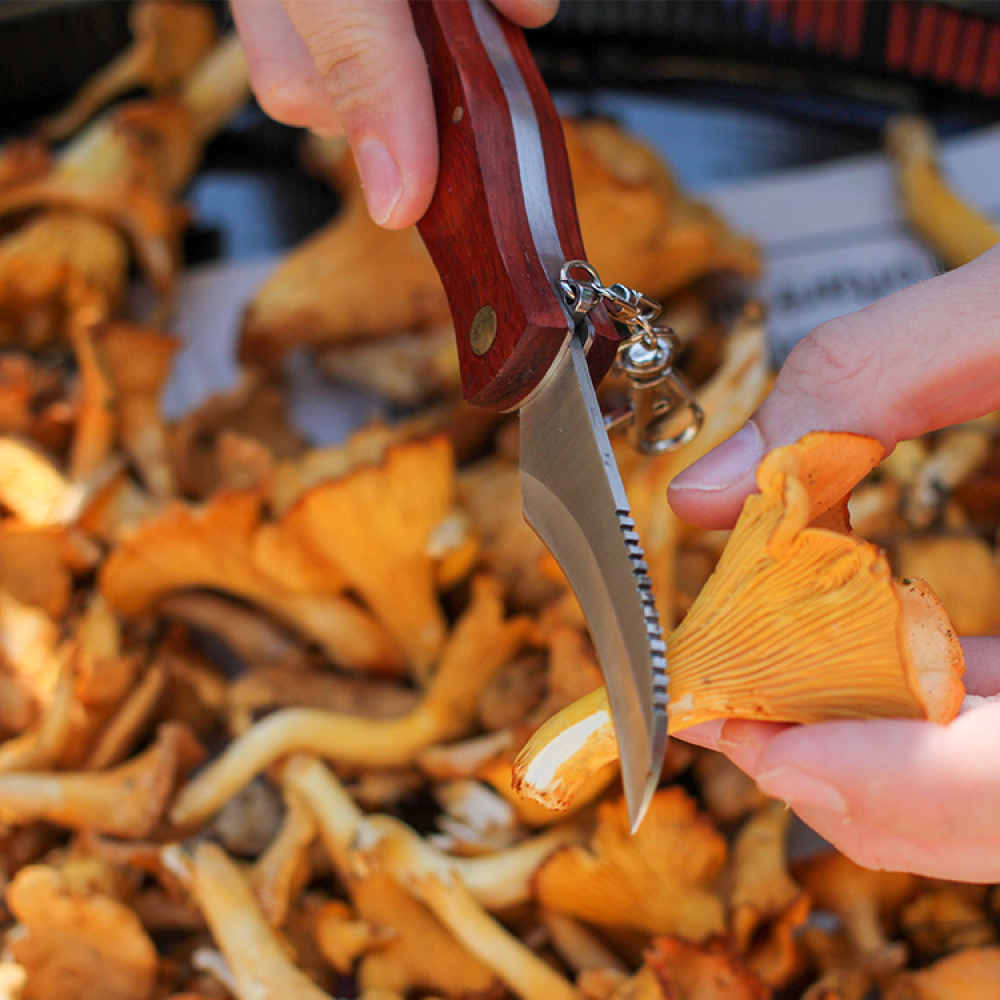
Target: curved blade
574, 498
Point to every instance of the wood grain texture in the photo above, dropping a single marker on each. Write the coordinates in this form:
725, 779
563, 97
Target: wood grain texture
477, 227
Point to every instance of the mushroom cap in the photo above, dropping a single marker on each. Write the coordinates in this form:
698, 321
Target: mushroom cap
219, 546
661, 880
802, 623
77, 944
375, 526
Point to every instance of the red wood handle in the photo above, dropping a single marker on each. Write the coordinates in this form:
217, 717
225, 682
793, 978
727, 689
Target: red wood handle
503, 217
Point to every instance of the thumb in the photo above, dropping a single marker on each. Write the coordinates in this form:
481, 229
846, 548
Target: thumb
921, 359
372, 68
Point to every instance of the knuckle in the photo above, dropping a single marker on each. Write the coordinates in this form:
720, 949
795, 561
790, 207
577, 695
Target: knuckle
349, 67
837, 356
284, 100
839, 349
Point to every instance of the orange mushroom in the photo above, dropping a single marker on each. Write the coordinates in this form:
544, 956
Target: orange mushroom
75, 943
480, 644
866, 902
955, 229
706, 971
257, 957
798, 623
661, 880
126, 801
181, 548
971, 974
375, 527
169, 39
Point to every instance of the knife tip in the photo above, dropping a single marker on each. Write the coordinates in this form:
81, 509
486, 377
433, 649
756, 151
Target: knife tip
638, 805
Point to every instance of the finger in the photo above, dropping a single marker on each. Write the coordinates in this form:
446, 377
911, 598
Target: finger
921, 359
371, 64
982, 665
282, 73
528, 13
896, 794
704, 734
743, 741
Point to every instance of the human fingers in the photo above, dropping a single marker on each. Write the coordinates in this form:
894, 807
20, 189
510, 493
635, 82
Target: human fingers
895, 794
372, 66
921, 359
282, 74
528, 13
982, 665
704, 734
356, 67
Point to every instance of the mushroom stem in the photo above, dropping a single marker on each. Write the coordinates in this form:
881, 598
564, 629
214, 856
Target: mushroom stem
283, 867
955, 230
127, 801
496, 880
256, 957
565, 751
578, 946
168, 40
448, 898
43, 744
480, 644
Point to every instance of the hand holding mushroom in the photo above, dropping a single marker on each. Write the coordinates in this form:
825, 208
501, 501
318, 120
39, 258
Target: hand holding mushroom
897, 794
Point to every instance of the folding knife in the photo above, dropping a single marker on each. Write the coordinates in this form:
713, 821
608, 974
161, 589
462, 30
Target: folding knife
500, 228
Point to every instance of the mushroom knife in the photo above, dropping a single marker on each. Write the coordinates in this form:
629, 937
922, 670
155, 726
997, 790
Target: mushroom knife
500, 227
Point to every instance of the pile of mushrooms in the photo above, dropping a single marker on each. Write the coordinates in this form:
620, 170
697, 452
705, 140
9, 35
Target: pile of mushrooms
279, 720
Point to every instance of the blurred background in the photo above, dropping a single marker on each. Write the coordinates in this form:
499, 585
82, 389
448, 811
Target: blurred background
726, 89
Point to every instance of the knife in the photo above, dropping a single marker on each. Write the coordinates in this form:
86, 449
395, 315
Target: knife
500, 228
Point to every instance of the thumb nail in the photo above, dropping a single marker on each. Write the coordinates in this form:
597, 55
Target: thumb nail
725, 465
380, 179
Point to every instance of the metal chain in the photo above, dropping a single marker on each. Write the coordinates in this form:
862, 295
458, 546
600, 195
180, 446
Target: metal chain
663, 414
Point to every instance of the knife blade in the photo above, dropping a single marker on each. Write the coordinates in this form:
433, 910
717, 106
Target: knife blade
500, 227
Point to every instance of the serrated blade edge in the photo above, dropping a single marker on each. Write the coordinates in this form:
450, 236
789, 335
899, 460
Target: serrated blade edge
574, 498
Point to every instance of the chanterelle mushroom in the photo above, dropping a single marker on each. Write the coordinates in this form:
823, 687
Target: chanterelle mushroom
77, 944
800, 622
660, 881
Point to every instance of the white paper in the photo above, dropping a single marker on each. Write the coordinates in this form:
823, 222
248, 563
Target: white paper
833, 237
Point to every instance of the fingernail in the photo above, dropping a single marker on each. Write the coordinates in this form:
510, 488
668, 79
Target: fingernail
725, 465
380, 178
800, 789
546, 7
703, 734
742, 753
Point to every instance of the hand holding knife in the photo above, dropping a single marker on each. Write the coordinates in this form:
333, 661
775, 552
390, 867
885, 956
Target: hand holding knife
532, 335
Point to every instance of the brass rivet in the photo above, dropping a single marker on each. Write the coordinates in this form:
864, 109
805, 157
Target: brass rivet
458, 114
483, 331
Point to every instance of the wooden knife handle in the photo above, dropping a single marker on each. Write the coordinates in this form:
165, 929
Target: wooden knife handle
503, 216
